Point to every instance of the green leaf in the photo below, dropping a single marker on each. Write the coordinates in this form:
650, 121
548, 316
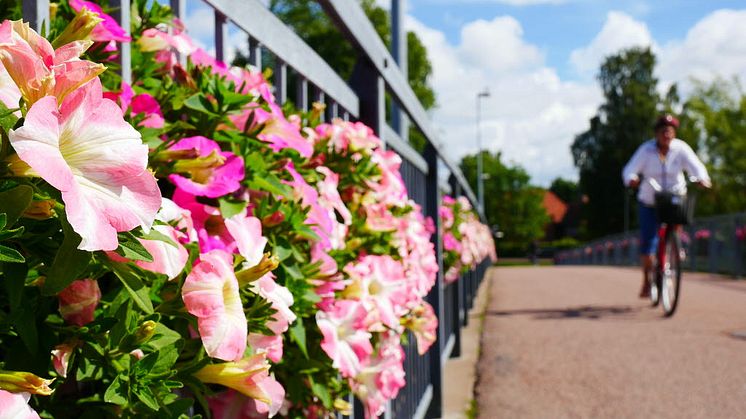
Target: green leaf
272, 185
24, 320
293, 271
15, 279
146, 396
132, 249
69, 263
298, 335
14, 201
117, 392
322, 392
138, 291
178, 408
198, 103
154, 234
163, 337
11, 255
7, 119
229, 207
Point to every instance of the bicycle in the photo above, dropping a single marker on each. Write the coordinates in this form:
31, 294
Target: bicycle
673, 210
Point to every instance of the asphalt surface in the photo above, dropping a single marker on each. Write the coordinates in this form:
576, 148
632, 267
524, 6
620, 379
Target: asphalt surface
576, 342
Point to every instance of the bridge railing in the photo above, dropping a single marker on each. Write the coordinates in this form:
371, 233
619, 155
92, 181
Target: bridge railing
713, 244
361, 98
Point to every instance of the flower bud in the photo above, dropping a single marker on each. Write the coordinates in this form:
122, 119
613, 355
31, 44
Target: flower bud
145, 332
40, 210
273, 219
267, 264
61, 357
21, 381
79, 300
79, 29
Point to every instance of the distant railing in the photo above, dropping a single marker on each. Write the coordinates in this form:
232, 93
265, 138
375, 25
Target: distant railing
713, 244
361, 98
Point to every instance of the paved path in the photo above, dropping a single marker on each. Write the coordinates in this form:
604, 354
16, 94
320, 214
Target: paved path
576, 342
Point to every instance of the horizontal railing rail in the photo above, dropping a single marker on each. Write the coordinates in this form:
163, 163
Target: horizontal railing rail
713, 244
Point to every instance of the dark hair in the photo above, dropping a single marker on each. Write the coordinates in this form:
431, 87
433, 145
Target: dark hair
666, 120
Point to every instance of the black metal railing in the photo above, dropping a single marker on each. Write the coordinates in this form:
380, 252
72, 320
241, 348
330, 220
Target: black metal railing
361, 98
713, 244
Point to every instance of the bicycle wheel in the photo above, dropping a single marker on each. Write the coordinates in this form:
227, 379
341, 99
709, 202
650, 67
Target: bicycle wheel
670, 273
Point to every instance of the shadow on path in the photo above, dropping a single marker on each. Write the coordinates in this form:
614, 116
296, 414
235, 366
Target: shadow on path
583, 312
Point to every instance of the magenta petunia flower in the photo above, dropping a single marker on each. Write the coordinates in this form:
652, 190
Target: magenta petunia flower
108, 29
210, 293
97, 160
212, 173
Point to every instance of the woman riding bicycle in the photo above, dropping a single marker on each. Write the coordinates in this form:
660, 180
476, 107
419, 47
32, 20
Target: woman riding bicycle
659, 163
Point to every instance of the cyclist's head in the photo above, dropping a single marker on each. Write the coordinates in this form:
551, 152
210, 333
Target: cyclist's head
666, 120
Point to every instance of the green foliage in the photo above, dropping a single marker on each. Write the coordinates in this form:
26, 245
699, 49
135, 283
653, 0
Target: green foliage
566, 190
510, 201
717, 115
624, 121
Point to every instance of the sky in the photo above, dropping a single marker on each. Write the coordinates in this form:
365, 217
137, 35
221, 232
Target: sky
538, 59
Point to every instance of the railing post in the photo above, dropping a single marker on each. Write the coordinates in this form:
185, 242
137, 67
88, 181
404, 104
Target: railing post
36, 12
399, 120
178, 7
255, 53
122, 15
281, 80
435, 297
221, 36
369, 86
301, 93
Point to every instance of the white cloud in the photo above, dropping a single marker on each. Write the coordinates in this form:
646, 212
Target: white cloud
531, 116
620, 31
715, 46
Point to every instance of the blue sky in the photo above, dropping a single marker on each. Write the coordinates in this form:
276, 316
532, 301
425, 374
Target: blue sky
559, 28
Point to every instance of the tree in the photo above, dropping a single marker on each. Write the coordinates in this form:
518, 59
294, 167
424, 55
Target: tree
510, 201
717, 115
623, 122
566, 190
310, 22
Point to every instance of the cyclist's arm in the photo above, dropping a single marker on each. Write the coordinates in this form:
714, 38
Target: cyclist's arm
695, 168
630, 173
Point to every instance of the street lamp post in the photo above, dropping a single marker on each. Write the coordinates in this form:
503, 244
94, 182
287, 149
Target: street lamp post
480, 180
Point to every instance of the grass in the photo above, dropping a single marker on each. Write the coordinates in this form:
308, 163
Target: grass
522, 262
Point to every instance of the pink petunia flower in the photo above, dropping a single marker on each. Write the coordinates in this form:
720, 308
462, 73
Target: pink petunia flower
381, 377
38, 69
250, 377
424, 324
9, 93
379, 282
106, 31
213, 172
78, 301
15, 406
168, 259
210, 293
346, 340
97, 160
61, 357
275, 128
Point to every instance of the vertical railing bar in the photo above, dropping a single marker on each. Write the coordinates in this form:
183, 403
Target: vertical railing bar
122, 15
221, 35
36, 12
301, 93
178, 7
255, 53
281, 79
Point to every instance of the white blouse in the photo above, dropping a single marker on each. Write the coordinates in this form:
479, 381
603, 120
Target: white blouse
665, 173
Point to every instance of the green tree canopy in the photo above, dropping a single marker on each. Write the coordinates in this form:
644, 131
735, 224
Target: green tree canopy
310, 22
567, 190
510, 201
717, 116
623, 122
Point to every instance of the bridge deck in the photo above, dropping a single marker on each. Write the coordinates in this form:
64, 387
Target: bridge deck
577, 342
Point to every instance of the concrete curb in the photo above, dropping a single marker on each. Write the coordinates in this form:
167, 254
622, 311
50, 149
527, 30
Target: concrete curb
460, 373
